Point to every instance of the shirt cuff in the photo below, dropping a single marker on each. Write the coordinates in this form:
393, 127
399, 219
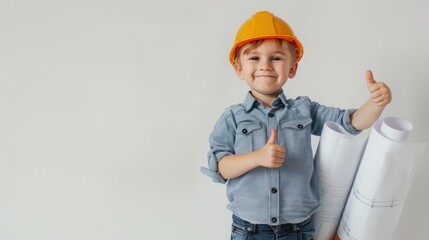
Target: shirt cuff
212, 170
347, 123
214, 175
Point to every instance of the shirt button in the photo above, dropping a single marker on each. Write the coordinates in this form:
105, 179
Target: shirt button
300, 126
273, 190
244, 131
270, 115
273, 220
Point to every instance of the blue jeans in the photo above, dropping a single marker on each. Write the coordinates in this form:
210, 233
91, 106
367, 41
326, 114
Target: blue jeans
243, 230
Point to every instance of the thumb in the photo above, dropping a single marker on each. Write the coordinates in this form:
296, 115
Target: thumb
273, 137
370, 78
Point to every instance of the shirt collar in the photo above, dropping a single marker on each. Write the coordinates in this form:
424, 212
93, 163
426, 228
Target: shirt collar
250, 102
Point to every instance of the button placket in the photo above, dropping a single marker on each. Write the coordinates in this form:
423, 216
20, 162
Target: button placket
274, 202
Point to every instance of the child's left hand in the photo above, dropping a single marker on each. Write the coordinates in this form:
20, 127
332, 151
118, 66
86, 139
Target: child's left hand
379, 91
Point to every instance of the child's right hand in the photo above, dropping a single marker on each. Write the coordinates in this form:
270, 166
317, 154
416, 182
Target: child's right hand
272, 155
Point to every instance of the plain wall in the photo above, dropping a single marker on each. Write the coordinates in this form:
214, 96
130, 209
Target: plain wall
106, 106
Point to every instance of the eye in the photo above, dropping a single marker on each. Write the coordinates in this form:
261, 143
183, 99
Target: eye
276, 58
254, 58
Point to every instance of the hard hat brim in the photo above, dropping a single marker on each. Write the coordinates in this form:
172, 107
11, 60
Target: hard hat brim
298, 46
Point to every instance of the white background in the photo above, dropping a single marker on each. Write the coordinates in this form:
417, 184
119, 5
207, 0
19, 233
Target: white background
106, 106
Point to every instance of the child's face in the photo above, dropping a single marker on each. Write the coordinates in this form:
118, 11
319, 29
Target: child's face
266, 68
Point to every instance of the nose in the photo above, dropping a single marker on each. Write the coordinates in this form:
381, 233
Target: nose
265, 65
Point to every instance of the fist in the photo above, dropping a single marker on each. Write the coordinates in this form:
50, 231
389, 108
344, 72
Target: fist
379, 91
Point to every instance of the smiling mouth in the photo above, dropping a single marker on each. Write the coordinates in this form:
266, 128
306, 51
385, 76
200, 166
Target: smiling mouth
266, 76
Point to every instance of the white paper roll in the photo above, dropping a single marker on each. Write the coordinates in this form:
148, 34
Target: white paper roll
336, 162
382, 182
396, 129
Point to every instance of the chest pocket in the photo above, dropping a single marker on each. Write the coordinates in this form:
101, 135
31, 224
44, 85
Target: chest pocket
297, 131
245, 137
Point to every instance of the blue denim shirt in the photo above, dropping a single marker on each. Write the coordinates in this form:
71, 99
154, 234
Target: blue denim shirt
289, 194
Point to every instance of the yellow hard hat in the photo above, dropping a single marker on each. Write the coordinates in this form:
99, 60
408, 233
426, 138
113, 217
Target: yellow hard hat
264, 25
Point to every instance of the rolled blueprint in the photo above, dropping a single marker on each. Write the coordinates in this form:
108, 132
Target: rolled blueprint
336, 162
383, 179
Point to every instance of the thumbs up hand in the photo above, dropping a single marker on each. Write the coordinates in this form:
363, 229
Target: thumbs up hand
272, 155
380, 92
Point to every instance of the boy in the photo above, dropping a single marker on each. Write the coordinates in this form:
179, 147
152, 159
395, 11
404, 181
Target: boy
262, 148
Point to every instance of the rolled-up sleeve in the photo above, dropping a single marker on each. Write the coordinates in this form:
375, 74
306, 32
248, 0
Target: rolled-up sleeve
221, 144
322, 114
212, 170
347, 125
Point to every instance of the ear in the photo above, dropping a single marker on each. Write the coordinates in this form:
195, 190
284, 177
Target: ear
238, 70
292, 70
